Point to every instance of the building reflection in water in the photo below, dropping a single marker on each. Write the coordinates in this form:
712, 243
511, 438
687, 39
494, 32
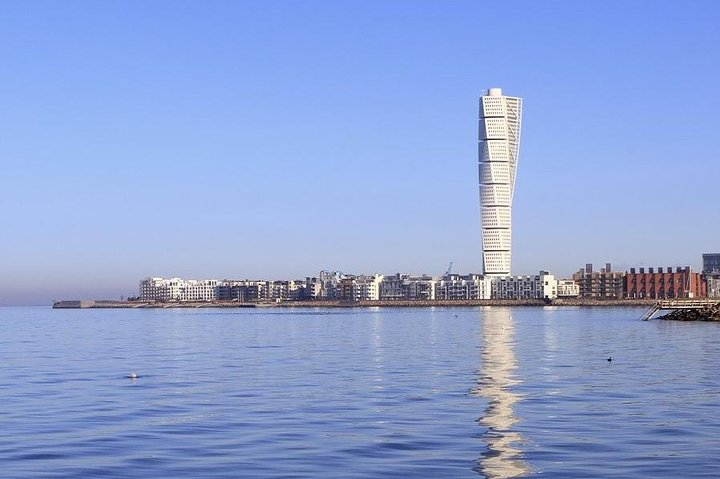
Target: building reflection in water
503, 457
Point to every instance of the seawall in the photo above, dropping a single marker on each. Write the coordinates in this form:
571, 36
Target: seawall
577, 302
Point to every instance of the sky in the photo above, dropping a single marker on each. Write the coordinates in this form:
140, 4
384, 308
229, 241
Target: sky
273, 139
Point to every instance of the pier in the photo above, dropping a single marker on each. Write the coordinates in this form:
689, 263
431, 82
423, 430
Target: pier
679, 304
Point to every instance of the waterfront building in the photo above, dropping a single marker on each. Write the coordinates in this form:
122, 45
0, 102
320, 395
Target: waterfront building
664, 284
312, 289
403, 287
278, 290
233, 291
711, 272
605, 284
539, 286
713, 287
359, 288
200, 290
159, 289
498, 149
456, 287
392, 288
330, 285
344, 289
177, 289
419, 288
567, 288
245, 290
711, 264
258, 290
367, 288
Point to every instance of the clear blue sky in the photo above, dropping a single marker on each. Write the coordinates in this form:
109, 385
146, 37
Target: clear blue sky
231, 139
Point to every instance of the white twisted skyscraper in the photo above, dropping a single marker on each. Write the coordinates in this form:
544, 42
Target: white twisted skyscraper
499, 145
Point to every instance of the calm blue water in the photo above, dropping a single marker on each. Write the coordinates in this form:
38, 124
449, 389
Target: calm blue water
466, 392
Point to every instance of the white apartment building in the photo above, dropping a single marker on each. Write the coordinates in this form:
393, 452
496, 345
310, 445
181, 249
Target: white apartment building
498, 150
540, 286
177, 289
159, 289
567, 288
455, 286
200, 290
366, 288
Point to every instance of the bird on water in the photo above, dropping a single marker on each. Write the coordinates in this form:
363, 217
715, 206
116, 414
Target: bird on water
609, 359
132, 375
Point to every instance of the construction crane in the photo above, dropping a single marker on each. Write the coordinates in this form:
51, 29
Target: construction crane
449, 270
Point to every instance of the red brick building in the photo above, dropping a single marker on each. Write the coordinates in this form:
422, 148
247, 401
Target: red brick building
664, 284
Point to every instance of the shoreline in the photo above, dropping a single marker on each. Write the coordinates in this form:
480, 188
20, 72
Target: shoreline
575, 302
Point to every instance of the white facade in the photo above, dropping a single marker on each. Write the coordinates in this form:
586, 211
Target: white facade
471, 286
177, 289
568, 288
540, 286
499, 143
367, 288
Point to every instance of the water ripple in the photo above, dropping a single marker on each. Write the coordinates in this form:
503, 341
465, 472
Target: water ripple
358, 393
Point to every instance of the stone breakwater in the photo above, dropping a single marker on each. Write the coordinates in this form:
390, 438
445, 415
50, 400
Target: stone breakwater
108, 304
711, 313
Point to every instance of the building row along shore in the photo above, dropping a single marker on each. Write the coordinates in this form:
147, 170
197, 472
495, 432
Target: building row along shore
586, 284
336, 286
586, 287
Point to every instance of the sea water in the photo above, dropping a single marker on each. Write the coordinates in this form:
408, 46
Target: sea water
365, 392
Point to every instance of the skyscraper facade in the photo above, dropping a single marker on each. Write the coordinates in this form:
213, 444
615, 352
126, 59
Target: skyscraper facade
499, 144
